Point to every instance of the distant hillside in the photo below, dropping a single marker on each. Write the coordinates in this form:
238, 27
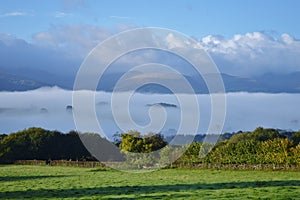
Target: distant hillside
268, 83
9, 82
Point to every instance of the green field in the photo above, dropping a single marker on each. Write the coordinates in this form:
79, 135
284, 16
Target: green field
40, 182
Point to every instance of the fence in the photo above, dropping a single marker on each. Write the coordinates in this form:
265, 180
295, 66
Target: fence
93, 164
87, 164
235, 166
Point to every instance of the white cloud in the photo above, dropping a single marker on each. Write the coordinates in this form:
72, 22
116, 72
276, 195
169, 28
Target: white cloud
43, 36
16, 14
119, 17
287, 39
59, 14
247, 55
77, 40
23, 58
254, 53
174, 42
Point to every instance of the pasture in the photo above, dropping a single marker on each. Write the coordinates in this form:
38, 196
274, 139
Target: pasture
53, 182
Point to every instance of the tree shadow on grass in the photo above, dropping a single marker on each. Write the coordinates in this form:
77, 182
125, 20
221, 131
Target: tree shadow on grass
21, 178
142, 190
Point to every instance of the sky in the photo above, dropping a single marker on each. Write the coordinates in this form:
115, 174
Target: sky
244, 38
195, 18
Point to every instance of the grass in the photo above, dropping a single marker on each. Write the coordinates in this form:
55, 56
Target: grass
41, 182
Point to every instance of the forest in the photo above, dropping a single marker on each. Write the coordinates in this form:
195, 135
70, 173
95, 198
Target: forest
263, 146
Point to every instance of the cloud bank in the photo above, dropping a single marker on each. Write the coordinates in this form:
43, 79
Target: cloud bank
47, 107
62, 48
254, 53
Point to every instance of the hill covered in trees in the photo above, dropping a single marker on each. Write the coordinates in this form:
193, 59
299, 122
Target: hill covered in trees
262, 146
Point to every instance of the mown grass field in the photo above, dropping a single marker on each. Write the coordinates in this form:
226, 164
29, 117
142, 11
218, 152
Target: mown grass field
41, 182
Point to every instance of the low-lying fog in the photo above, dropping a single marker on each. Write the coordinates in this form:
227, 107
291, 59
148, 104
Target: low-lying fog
50, 108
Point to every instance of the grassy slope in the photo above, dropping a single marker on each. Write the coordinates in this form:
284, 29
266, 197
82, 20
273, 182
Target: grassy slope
39, 182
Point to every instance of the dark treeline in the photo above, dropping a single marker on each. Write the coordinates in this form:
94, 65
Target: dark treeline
262, 146
41, 144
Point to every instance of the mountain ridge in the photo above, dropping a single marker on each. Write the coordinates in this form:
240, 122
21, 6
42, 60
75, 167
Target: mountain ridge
268, 83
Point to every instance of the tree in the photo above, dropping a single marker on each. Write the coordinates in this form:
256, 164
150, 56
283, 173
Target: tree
296, 155
135, 143
132, 142
2, 136
276, 151
296, 137
41, 144
259, 134
170, 154
141, 150
154, 142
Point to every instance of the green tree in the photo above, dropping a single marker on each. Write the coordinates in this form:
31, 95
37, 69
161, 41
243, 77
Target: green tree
169, 154
296, 155
134, 142
2, 136
296, 137
259, 134
38, 143
276, 151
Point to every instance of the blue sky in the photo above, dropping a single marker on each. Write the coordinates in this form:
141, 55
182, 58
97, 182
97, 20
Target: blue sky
244, 38
195, 18
48, 40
